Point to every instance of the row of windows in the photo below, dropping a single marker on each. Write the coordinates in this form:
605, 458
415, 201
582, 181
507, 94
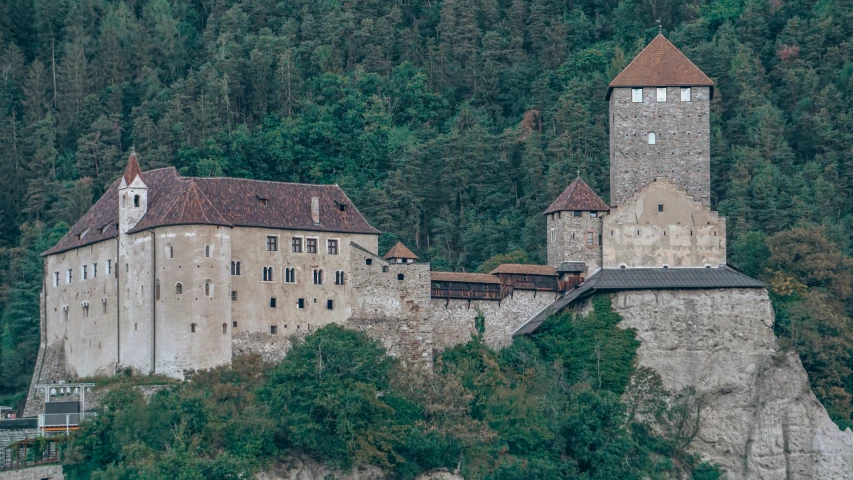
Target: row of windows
84, 306
310, 244
637, 94
575, 213
86, 271
290, 275
589, 237
300, 302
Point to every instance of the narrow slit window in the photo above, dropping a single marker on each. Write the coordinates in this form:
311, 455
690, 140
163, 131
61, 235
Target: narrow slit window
179, 288
192, 327
207, 251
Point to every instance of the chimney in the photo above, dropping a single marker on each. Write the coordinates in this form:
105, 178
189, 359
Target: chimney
315, 210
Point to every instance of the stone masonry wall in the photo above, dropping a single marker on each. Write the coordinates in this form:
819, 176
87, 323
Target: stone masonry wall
567, 238
761, 421
50, 472
682, 150
453, 320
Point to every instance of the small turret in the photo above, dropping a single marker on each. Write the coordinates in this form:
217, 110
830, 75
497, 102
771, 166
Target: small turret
574, 226
133, 196
399, 253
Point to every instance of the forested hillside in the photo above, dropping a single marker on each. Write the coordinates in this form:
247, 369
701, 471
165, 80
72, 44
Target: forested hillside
452, 125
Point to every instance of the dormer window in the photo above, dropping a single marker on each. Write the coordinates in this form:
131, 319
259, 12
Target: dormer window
262, 201
342, 207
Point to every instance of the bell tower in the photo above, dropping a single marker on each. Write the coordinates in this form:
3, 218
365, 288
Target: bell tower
659, 125
133, 196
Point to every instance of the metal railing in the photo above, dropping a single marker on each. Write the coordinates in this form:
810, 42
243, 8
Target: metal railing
53, 422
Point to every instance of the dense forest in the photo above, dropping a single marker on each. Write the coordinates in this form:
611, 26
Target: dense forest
452, 124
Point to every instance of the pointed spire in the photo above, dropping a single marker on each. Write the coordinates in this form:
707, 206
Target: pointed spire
578, 196
661, 64
400, 251
132, 170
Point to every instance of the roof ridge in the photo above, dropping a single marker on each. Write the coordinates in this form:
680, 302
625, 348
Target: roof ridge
335, 185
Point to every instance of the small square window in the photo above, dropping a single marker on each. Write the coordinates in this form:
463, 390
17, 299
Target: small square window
400, 276
272, 244
384, 268
330, 304
300, 303
593, 214
272, 302
234, 324
273, 329
660, 208
368, 261
661, 94
262, 201
637, 95
578, 213
342, 207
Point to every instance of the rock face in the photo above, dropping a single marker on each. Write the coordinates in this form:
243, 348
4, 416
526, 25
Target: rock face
761, 420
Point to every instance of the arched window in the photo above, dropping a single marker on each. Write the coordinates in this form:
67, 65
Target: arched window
235, 268
207, 289
136, 200
179, 288
652, 139
267, 274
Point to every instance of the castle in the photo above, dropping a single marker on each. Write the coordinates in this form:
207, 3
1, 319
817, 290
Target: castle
167, 273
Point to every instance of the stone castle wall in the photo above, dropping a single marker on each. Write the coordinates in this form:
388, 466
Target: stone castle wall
682, 149
761, 420
567, 238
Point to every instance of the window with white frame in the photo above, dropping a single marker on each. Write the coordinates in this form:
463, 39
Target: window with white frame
332, 246
637, 95
318, 276
661, 94
685, 94
296, 245
290, 275
310, 245
272, 243
179, 288
235, 268
267, 274
339, 277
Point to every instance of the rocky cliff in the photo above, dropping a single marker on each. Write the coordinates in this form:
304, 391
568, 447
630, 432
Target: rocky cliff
761, 420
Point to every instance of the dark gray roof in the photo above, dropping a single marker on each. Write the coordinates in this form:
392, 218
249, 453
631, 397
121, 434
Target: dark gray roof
571, 267
618, 279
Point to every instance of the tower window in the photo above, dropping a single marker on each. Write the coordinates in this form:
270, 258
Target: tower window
662, 94
577, 213
300, 303
267, 274
400, 276
652, 138
273, 329
553, 234
157, 289
192, 327
637, 95
330, 304
55, 279
68, 276
207, 251
84, 272
339, 277
367, 261
179, 288
590, 239
207, 289
235, 268
224, 328
272, 302
233, 295
136, 201
660, 208
685, 94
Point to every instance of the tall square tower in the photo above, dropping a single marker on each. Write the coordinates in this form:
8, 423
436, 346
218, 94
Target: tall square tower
659, 125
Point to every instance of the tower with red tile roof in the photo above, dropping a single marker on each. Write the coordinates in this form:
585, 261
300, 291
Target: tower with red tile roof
574, 226
133, 196
659, 126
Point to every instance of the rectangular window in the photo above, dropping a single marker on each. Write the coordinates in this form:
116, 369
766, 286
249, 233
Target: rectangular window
234, 295
85, 310
94, 270
400, 276
207, 251
685, 94
660, 208
109, 266
300, 303
104, 305
272, 302
296, 245
593, 214
273, 329
332, 247
637, 95
590, 239
577, 213
553, 234
330, 305
272, 244
234, 324
55, 279
84, 273
68, 276
662, 94
310, 245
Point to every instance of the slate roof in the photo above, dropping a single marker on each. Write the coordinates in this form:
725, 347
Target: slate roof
571, 267
177, 200
617, 279
661, 64
400, 251
578, 196
525, 269
463, 277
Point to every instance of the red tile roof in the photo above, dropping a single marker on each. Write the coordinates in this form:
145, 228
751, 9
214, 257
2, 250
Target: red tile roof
660, 64
400, 251
176, 200
578, 196
463, 277
132, 171
525, 269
